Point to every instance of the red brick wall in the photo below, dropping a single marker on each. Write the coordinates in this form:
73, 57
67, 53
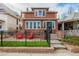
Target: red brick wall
27, 15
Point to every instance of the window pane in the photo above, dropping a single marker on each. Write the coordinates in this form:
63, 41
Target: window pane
38, 24
31, 24
34, 24
28, 24
40, 13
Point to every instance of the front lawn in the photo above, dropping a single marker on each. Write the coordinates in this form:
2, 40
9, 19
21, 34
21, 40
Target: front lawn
74, 40
25, 44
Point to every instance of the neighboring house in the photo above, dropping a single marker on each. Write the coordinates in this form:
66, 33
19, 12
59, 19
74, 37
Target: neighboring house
8, 19
36, 21
70, 25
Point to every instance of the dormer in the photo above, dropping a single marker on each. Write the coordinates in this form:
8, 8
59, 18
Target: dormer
40, 12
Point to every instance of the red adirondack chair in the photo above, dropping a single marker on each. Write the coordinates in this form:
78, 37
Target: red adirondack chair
19, 35
30, 36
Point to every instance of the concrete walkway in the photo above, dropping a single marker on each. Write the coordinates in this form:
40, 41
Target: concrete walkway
58, 52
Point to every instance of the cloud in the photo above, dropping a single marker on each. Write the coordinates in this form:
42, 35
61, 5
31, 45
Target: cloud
59, 7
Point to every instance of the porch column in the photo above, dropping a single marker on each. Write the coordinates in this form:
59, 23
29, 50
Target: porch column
62, 29
62, 26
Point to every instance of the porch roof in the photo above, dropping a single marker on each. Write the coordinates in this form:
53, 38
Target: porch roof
70, 18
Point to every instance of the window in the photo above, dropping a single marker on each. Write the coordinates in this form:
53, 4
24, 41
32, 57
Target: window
39, 13
38, 25
29, 24
52, 24
33, 24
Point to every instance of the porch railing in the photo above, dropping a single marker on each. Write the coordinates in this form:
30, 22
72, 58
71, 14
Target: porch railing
71, 32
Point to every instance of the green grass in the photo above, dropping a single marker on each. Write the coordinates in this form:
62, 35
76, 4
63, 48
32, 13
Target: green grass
25, 44
74, 40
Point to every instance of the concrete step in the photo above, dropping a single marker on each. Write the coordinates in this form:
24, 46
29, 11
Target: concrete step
53, 36
58, 46
56, 38
55, 41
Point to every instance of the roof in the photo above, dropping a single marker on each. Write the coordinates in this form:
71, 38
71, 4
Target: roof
71, 17
5, 9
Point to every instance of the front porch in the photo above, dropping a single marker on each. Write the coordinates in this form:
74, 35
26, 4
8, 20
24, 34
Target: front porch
70, 28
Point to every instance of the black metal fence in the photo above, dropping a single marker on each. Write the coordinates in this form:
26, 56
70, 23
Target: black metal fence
10, 39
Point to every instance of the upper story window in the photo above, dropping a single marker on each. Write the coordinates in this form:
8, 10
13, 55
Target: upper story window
39, 13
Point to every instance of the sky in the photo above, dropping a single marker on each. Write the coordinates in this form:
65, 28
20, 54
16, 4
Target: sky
61, 8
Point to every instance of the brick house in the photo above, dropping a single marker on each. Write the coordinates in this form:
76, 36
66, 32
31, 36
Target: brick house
36, 21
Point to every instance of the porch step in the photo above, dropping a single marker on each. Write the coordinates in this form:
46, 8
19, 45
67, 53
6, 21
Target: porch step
55, 37
58, 46
55, 41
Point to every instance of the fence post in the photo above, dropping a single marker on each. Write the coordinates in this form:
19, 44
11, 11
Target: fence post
1, 38
47, 37
25, 34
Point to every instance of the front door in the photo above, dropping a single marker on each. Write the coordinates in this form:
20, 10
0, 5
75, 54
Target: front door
49, 26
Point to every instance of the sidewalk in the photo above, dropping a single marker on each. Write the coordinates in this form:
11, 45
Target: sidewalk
59, 52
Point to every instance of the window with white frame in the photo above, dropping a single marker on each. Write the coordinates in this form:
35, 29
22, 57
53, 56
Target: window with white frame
39, 13
53, 24
33, 24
